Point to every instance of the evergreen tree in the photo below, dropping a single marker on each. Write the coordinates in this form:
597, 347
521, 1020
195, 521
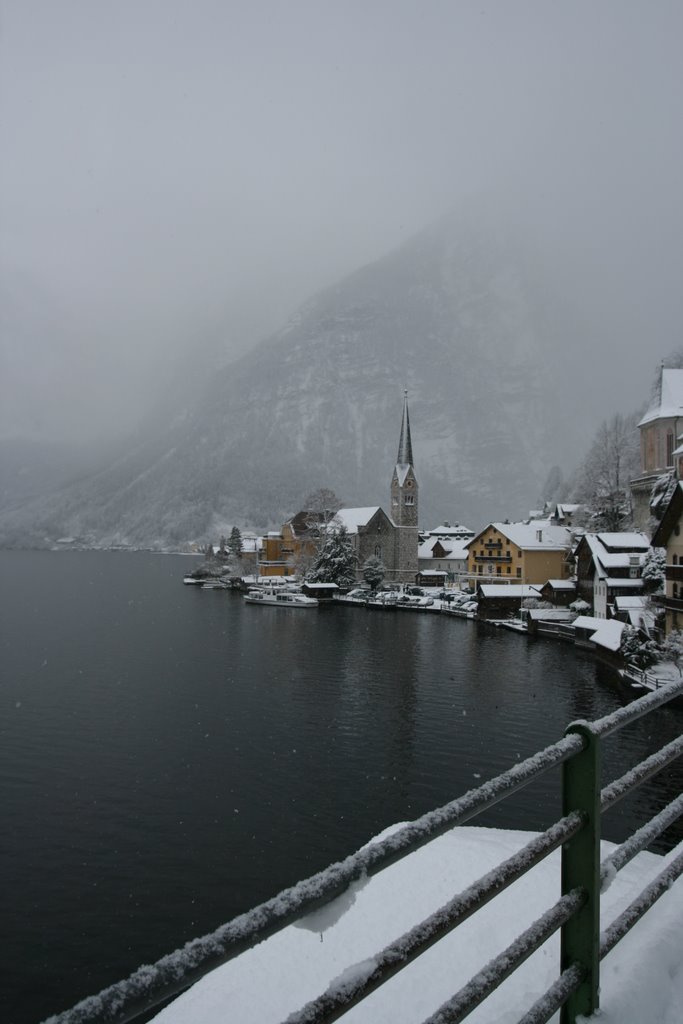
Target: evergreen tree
336, 560
235, 542
637, 649
374, 571
654, 568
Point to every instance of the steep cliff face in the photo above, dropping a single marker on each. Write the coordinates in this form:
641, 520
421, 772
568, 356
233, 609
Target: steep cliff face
455, 315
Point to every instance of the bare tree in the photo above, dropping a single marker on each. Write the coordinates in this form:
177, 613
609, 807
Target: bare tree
612, 462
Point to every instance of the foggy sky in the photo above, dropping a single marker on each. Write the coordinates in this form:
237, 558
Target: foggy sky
178, 176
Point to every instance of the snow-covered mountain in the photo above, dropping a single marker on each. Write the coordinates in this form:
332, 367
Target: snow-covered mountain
460, 315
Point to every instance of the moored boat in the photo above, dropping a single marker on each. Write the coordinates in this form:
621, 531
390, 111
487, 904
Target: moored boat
280, 598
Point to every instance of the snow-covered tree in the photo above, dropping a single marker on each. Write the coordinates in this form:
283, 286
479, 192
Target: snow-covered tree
235, 542
374, 571
654, 568
336, 560
672, 649
638, 649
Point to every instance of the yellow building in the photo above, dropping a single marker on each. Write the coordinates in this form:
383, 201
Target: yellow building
519, 553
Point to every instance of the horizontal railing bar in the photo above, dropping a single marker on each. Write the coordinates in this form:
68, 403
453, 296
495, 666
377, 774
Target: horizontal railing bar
633, 913
556, 996
345, 992
640, 840
636, 709
152, 984
642, 771
501, 967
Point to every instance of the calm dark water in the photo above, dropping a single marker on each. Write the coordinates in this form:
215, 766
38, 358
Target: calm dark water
170, 757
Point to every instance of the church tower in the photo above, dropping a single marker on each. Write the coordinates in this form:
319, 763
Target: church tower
404, 507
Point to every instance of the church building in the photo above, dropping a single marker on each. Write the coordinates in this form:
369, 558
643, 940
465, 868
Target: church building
393, 538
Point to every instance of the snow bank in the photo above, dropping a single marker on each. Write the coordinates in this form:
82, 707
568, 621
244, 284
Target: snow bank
641, 979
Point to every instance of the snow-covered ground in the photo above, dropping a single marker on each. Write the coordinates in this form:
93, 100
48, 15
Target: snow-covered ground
641, 979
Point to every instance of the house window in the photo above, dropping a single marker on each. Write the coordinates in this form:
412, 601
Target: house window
497, 570
394, 501
508, 570
675, 594
409, 499
378, 551
519, 571
675, 559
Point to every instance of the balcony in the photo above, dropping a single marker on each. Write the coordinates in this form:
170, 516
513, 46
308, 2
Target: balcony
493, 558
674, 573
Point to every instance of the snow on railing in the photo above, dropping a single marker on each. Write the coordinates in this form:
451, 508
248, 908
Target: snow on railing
577, 913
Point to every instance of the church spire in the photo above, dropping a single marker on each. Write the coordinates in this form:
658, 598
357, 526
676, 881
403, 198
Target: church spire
405, 447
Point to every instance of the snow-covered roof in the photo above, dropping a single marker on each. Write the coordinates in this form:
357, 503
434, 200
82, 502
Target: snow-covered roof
621, 581
433, 572
606, 560
562, 584
352, 518
452, 550
567, 510
516, 590
641, 618
446, 530
671, 401
587, 622
623, 604
538, 534
608, 634
632, 541
550, 614
402, 472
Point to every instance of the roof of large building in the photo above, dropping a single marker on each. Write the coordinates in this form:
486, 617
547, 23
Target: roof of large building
353, 518
536, 535
670, 403
633, 547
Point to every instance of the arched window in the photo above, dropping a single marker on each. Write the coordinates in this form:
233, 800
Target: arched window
378, 551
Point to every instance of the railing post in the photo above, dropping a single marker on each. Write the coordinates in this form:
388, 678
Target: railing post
581, 869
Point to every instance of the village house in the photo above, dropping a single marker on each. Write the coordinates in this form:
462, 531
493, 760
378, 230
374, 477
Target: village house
438, 554
560, 593
669, 535
609, 565
567, 515
661, 451
519, 553
503, 601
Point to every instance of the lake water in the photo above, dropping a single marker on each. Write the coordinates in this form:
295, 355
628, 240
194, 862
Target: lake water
170, 757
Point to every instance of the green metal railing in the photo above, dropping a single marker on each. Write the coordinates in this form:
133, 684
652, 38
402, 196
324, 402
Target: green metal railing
576, 914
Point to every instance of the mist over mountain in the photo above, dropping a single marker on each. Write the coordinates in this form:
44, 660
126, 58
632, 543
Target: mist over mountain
466, 316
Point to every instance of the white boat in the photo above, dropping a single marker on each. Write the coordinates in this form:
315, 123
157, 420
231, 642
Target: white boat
281, 598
